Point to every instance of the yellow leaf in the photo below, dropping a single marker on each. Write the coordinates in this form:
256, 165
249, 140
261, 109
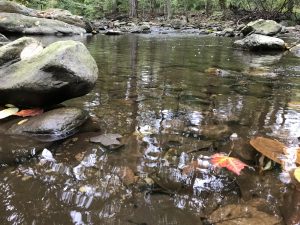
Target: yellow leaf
22, 121
297, 174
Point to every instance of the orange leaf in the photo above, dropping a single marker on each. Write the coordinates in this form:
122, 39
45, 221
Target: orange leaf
232, 164
29, 112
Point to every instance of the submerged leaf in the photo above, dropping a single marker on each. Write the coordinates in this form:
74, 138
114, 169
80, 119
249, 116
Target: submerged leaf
297, 174
272, 149
231, 163
8, 112
29, 112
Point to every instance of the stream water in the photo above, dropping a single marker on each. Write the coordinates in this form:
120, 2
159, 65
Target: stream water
173, 99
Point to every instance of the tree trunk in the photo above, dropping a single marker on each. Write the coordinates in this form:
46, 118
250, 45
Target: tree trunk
133, 5
222, 4
290, 7
208, 7
168, 9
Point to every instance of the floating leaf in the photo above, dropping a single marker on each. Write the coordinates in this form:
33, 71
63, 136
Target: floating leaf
31, 50
297, 174
8, 112
272, 149
231, 163
29, 112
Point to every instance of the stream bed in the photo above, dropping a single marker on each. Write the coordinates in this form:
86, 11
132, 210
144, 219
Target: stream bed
171, 99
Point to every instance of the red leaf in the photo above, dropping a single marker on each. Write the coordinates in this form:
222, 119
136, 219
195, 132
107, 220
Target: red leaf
29, 112
232, 164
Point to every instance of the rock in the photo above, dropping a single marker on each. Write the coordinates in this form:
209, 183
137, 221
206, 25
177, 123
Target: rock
3, 38
215, 131
227, 32
67, 17
13, 7
264, 27
242, 214
113, 32
178, 23
17, 148
295, 50
261, 42
17, 23
108, 140
52, 125
62, 71
12, 51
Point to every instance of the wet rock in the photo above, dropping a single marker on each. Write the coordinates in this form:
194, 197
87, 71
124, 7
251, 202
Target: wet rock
17, 23
264, 27
52, 125
11, 52
63, 70
13, 7
261, 42
16, 149
113, 32
295, 50
3, 38
227, 32
242, 214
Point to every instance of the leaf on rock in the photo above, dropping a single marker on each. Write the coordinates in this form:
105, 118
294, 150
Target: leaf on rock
8, 112
29, 112
272, 149
297, 174
31, 50
231, 163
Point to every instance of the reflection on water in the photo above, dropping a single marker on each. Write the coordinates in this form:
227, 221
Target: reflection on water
157, 93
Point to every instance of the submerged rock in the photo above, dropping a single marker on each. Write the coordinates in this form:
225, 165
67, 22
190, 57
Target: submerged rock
52, 125
12, 51
17, 23
261, 42
264, 27
62, 71
15, 148
249, 213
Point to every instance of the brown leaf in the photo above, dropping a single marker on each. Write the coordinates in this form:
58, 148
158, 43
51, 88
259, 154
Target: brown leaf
271, 148
127, 176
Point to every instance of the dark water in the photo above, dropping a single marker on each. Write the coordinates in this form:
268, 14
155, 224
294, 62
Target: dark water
172, 98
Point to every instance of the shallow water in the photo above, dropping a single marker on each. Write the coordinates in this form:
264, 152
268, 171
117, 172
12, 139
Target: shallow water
173, 99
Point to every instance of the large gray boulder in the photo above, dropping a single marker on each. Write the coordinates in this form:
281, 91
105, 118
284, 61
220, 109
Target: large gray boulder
17, 23
62, 71
67, 17
261, 42
52, 125
11, 51
264, 27
13, 7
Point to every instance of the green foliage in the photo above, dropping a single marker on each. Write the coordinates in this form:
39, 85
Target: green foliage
100, 8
